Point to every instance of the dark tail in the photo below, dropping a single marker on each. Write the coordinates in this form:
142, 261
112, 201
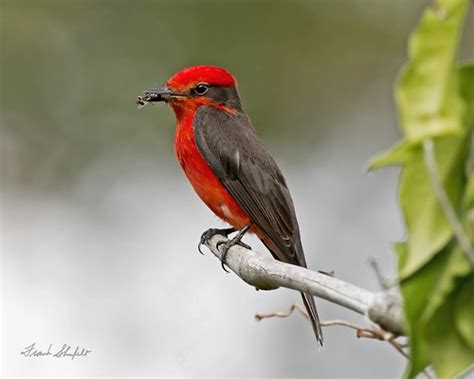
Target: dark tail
310, 306
297, 258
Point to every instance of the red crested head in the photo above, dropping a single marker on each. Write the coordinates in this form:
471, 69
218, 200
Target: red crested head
194, 87
211, 75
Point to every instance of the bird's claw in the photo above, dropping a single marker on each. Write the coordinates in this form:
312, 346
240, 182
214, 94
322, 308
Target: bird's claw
237, 240
226, 245
243, 244
209, 233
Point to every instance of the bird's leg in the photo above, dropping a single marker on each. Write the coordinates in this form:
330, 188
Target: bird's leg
209, 233
234, 241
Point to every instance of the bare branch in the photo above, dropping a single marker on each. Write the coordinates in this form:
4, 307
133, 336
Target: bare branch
266, 273
385, 284
283, 314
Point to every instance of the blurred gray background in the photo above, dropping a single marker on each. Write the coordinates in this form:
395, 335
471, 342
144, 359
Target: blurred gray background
99, 227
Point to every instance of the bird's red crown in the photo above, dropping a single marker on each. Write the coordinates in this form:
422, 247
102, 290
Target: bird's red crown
212, 75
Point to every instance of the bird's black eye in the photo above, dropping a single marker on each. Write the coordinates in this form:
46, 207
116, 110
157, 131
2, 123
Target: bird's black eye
200, 89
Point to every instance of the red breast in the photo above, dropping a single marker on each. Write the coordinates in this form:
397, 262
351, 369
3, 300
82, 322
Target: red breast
205, 183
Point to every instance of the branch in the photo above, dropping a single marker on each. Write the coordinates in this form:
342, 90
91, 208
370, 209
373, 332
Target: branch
383, 281
265, 273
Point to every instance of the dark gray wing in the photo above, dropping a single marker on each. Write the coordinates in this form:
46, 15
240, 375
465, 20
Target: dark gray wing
230, 145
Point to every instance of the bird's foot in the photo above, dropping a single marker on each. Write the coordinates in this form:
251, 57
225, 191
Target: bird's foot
226, 245
209, 233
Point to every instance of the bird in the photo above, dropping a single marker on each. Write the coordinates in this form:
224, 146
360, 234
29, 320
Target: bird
229, 167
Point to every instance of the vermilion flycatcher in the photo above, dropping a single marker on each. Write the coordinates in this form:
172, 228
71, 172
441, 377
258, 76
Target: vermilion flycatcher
229, 167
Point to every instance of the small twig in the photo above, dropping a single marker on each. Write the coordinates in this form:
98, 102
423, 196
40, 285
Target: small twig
385, 284
362, 332
438, 189
282, 314
399, 348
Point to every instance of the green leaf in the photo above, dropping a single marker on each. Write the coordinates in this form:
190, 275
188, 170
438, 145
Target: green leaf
416, 291
399, 154
430, 105
426, 295
455, 267
436, 101
468, 207
466, 88
468, 199
427, 96
402, 251
446, 347
464, 315
428, 228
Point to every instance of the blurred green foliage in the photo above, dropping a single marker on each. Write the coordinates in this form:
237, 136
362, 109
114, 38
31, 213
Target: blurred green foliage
436, 102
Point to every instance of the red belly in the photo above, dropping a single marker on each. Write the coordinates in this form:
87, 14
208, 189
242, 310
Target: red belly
203, 180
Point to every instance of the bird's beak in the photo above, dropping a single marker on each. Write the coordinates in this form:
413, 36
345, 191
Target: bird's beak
153, 95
